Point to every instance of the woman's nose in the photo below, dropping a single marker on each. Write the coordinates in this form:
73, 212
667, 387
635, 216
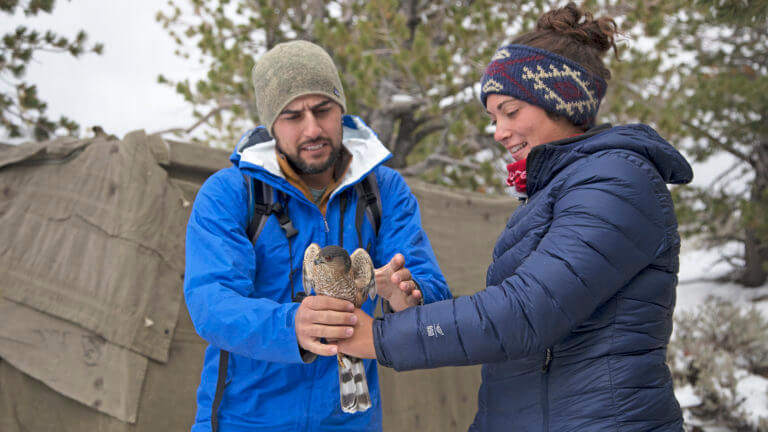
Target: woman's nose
500, 134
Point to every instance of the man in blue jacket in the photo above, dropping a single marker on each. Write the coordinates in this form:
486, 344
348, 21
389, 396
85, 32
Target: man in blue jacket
261, 369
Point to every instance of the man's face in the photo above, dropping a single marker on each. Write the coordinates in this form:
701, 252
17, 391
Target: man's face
308, 132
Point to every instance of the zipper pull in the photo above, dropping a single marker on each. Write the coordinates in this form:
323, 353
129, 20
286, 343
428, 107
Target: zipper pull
327, 228
547, 360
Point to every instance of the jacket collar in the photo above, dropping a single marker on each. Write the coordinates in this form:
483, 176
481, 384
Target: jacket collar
547, 160
260, 159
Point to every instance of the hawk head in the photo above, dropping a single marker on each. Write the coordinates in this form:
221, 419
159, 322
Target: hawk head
335, 257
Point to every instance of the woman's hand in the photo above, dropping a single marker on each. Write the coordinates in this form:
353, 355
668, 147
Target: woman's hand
395, 284
360, 344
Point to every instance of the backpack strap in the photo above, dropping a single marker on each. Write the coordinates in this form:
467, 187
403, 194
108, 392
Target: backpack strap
220, 384
260, 205
368, 203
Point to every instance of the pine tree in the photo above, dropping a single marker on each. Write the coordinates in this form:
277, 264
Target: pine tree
701, 77
695, 69
21, 107
409, 68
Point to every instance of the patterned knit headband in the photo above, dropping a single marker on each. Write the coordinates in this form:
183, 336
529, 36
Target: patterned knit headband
545, 79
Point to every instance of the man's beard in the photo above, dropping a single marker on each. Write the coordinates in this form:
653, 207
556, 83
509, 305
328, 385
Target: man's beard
302, 167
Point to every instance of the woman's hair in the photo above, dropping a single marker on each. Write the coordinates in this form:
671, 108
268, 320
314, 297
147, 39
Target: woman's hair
574, 34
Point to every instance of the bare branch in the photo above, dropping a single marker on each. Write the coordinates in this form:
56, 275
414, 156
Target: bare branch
722, 238
210, 114
202, 120
456, 162
378, 52
403, 107
721, 178
720, 144
437, 159
724, 278
428, 130
435, 9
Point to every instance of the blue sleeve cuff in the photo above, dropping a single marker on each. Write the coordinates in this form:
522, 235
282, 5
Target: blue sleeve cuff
377, 331
298, 354
426, 295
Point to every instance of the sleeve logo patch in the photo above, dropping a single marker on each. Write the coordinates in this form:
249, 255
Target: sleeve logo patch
435, 331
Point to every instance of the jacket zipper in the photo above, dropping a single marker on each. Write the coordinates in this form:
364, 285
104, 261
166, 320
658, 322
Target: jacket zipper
545, 388
547, 360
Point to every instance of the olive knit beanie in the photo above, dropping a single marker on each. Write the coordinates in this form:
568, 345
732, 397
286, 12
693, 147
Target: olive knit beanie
290, 70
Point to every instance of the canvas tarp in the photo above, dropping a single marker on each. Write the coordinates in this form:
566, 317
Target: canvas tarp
92, 243
95, 237
72, 360
91, 257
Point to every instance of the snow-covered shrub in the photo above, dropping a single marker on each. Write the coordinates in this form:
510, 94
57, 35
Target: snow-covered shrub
717, 351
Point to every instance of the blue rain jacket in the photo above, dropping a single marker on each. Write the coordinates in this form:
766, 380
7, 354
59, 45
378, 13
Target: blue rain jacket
574, 321
239, 295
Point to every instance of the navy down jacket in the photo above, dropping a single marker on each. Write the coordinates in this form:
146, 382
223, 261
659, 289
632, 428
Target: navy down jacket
574, 321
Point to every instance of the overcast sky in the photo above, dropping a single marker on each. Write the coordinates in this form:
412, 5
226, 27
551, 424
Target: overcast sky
117, 90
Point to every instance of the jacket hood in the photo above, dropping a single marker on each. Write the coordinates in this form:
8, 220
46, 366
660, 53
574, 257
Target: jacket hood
547, 160
255, 153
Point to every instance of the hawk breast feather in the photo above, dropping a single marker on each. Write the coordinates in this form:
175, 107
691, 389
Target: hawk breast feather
353, 282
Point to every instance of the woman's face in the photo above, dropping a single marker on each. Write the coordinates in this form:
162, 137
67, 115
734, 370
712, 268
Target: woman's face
521, 126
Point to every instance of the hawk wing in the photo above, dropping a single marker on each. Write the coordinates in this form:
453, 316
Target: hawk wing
308, 269
363, 274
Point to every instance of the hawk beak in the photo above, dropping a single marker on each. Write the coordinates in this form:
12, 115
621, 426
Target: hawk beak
317, 261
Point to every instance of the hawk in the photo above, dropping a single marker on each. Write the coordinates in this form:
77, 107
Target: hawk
331, 271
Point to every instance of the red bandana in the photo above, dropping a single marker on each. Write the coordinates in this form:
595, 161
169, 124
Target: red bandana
517, 175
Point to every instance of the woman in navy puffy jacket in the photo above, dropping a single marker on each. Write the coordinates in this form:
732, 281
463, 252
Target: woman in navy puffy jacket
573, 324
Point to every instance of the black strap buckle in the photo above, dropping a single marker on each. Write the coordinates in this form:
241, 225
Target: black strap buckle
262, 209
370, 198
290, 231
286, 224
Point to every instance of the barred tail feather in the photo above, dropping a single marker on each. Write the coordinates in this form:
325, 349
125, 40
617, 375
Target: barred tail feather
353, 385
361, 385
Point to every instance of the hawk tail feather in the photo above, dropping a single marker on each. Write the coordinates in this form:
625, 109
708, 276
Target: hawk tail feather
353, 385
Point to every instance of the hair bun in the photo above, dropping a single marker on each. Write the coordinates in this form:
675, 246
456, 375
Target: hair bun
563, 20
571, 21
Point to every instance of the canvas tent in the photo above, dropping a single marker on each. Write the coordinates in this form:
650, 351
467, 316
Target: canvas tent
94, 333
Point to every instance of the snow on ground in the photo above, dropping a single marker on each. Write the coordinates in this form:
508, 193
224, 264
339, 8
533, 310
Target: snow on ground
755, 391
686, 396
697, 269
